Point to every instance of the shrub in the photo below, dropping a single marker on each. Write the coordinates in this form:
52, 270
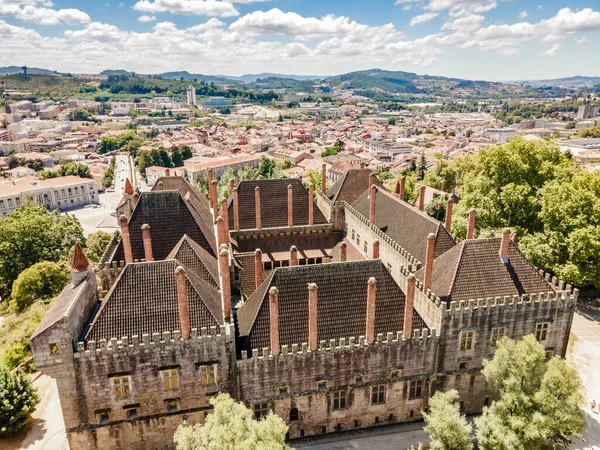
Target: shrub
17, 401
43, 280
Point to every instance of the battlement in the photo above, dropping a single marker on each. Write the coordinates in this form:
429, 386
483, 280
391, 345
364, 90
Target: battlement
109, 251
159, 342
279, 231
383, 237
419, 337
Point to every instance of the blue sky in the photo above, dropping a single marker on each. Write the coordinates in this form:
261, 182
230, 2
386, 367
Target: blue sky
474, 39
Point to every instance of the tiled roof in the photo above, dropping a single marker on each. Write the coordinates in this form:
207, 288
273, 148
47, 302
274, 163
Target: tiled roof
170, 218
350, 186
273, 204
473, 269
197, 259
197, 199
144, 300
80, 262
405, 224
342, 304
277, 248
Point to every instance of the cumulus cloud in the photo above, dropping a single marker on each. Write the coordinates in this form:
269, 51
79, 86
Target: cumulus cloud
523, 15
471, 22
552, 50
462, 6
146, 18
422, 18
583, 40
188, 7
39, 12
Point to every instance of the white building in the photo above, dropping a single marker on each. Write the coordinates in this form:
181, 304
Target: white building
191, 95
54, 193
500, 135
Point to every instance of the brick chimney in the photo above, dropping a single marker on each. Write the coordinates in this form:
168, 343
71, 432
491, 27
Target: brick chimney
449, 206
213, 199
257, 206
236, 210
290, 205
160, 186
371, 298
312, 316
226, 281
126, 239
221, 238
471, 223
372, 200
258, 268
343, 251
209, 177
231, 185
515, 238
323, 178
311, 204
429, 261
504, 245
80, 266
402, 187
293, 256
376, 249
362, 165
409, 306
183, 306
274, 320
147, 242
422, 198
372, 179
167, 172
225, 216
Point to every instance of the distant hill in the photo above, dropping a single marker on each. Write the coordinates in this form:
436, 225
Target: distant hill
385, 80
251, 78
572, 82
30, 70
110, 72
196, 76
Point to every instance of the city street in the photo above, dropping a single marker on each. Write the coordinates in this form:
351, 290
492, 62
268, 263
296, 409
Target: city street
103, 218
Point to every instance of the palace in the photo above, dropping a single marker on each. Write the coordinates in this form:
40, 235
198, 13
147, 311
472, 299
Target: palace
336, 309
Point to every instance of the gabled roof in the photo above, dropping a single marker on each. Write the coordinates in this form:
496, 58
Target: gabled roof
473, 269
405, 224
342, 304
273, 204
170, 218
144, 300
197, 259
351, 186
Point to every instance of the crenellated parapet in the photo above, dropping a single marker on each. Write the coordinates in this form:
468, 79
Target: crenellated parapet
419, 338
208, 338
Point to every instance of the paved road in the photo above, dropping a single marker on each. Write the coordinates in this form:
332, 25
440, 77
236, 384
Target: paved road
103, 218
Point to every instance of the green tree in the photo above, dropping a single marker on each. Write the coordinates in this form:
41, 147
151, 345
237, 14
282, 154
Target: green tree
422, 167
392, 121
31, 234
448, 429
267, 168
164, 160
593, 132
186, 152
176, 158
537, 400
231, 427
95, 245
280, 118
285, 164
442, 176
144, 161
42, 281
80, 114
18, 400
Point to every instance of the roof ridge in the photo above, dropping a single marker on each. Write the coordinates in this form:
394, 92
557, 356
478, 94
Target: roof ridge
413, 208
461, 251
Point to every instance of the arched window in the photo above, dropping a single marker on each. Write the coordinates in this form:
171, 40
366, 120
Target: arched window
293, 414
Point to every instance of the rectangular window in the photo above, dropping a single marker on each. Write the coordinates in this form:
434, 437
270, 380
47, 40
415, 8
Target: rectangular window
208, 374
466, 340
497, 334
76, 190
541, 331
171, 405
18, 201
366, 247
339, 400
322, 386
10, 203
62, 191
260, 410
170, 379
56, 195
1, 204
70, 192
378, 394
121, 387
357, 239
283, 390
415, 389
353, 234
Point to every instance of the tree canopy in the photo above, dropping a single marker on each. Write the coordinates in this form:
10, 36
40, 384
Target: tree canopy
231, 426
66, 169
31, 234
17, 401
448, 429
537, 400
42, 281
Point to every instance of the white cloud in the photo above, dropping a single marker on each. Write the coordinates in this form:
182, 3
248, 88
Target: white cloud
188, 7
471, 22
523, 14
31, 11
552, 50
146, 18
422, 18
583, 40
509, 52
465, 6
407, 7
